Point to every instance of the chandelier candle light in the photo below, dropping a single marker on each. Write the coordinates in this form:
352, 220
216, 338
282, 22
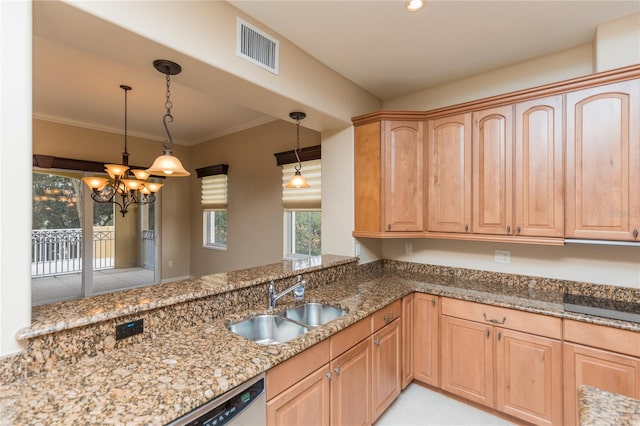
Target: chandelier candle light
297, 180
121, 189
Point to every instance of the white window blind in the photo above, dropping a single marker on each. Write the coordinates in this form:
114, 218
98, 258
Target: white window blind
303, 198
214, 192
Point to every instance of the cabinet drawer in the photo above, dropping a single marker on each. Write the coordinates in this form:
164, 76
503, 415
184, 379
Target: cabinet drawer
350, 336
603, 337
286, 374
527, 322
386, 315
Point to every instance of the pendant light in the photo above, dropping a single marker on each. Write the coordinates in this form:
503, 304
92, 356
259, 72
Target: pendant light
297, 180
121, 189
167, 164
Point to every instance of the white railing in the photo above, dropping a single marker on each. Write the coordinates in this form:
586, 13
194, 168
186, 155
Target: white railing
59, 251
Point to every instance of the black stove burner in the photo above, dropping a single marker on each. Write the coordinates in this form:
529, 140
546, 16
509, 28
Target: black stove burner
607, 308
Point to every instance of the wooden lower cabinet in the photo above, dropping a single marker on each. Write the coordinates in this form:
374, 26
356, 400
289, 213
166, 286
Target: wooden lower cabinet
426, 340
467, 360
351, 386
387, 367
408, 331
603, 369
306, 402
529, 377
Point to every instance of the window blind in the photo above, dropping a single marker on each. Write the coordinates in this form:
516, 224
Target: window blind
214, 192
303, 198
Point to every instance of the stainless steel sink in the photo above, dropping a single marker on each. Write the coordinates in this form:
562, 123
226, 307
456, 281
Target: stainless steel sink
268, 329
314, 314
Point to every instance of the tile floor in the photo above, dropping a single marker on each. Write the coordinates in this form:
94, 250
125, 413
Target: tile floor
419, 406
68, 286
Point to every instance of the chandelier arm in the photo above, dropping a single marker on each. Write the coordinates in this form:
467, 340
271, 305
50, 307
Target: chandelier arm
167, 145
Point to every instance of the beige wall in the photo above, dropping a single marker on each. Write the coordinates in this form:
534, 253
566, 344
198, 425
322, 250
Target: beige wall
617, 43
66, 141
254, 211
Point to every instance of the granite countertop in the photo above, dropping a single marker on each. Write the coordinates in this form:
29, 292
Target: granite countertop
157, 380
602, 408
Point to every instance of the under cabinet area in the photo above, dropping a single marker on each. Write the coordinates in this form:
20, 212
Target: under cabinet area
503, 359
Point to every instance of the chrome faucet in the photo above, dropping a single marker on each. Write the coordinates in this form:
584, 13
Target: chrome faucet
298, 291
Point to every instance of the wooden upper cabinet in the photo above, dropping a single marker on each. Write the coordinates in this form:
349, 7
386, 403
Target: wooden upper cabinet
389, 177
403, 175
492, 170
449, 174
603, 162
539, 168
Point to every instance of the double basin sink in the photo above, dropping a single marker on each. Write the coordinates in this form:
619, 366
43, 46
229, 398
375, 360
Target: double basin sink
278, 328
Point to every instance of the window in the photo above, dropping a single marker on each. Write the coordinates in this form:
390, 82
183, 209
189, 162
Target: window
214, 204
303, 215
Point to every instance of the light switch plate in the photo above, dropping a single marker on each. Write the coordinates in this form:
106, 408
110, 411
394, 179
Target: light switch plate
408, 248
503, 256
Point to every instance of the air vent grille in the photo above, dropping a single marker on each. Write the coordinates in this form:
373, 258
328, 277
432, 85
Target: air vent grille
257, 47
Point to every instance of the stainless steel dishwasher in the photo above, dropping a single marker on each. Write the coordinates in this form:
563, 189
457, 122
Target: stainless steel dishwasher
244, 405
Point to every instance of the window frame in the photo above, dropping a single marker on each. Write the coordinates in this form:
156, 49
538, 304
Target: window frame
289, 235
207, 220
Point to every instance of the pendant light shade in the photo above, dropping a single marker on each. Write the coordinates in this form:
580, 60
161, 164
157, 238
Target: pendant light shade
297, 180
167, 164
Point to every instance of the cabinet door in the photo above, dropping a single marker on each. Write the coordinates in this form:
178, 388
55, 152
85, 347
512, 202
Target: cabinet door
449, 174
306, 402
408, 327
426, 339
602, 369
467, 360
603, 162
387, 369
403, 175
351, 386
367, 178
492, 170
529, 377
539, 168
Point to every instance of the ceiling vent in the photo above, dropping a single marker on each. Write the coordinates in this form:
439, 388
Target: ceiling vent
256, 46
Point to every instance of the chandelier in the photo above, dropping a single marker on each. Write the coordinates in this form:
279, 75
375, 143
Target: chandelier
121, 188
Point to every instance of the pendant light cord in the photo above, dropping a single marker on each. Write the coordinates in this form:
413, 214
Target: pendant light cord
168, 117
299, 166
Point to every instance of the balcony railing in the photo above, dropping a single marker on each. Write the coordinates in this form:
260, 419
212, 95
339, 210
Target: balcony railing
59, 251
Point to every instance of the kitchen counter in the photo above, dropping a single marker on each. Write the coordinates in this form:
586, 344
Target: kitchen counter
154, 381
602, 408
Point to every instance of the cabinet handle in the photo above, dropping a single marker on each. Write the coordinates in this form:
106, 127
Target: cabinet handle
388, 227
508, 229
487, 332
499, 335
337, 370
466, 228
329, 375
433, 302
635, 233
495, 321
377, 341
389, 318
518, 229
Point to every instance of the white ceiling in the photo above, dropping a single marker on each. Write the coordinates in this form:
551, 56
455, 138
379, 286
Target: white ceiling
376, 44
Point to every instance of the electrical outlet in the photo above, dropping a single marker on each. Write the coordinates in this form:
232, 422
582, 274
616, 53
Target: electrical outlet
170, 264
408, 248
503, 256
357, 249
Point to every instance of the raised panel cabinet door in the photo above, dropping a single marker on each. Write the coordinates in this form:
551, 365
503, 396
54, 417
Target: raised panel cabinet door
306, 402
387, 367
403, 175
605, 370
367, 177
449, 174
529, 377
426, 339
603, 162
408, 326
539, 168
467, 360
351, 386
492, 171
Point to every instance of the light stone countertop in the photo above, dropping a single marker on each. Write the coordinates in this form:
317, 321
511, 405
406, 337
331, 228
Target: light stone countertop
158, 380
602, 408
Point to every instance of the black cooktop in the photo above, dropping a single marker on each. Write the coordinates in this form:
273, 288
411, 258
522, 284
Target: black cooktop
608, 308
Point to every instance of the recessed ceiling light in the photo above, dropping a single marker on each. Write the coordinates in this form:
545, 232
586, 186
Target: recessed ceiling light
413, 5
